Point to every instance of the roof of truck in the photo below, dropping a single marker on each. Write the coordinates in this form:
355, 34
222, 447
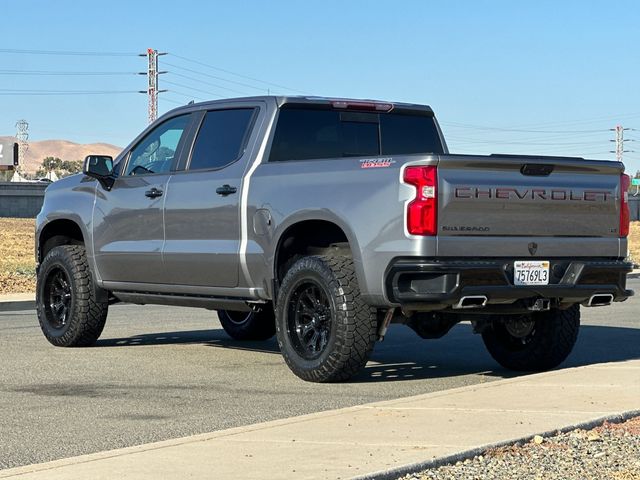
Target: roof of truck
313, 100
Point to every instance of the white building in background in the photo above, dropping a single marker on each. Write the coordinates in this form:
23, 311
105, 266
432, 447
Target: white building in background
17, 177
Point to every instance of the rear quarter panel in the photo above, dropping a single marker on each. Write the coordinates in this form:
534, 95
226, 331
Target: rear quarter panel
366, 203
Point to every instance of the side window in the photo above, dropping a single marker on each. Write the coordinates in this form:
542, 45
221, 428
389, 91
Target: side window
222, 138
154, 154
406, 134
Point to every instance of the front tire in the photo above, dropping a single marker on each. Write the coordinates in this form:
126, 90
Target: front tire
534, 342
325, 331
254, 325
69, 312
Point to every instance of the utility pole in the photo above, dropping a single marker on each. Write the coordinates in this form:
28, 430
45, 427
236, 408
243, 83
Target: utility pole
620, 142
152, 88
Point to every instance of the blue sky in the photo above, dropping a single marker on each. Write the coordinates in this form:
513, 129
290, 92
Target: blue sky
543, 77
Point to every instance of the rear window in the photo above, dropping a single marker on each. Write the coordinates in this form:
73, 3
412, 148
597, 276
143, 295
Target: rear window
305, 134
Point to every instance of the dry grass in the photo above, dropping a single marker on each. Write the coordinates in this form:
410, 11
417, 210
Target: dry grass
634, 242
17, 260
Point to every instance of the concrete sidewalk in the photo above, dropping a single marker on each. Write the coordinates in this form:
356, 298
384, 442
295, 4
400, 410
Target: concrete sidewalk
375, 438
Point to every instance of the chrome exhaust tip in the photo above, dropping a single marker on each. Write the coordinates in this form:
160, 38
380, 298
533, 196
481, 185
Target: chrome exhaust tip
600, 300
472, 301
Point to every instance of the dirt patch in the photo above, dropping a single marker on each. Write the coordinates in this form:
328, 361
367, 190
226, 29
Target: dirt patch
17, 258
634, 242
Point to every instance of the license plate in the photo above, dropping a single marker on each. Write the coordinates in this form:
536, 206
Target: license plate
526, 272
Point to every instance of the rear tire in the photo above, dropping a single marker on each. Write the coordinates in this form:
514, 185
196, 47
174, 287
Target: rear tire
256, 325
325, 331
69, 310
535, 342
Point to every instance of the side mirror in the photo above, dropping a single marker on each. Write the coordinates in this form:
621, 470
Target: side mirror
100, 167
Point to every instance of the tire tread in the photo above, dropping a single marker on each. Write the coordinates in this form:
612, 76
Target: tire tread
88, 314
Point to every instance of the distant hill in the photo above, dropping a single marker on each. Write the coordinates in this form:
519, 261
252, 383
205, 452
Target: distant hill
62, 149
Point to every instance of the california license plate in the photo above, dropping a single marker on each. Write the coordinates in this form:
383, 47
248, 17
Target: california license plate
526, 272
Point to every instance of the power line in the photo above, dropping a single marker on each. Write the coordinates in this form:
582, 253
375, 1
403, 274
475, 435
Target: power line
237, 74
5, 91
187, 77
215, 77
70, 73
567, 122
66, 52
187, 95
500, 129
517, 142
190, 88
170, 100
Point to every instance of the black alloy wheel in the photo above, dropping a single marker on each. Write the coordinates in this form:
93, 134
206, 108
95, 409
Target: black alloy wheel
309, 320
58, 297
325, 331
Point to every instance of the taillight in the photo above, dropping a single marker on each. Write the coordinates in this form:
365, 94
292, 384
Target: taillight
625, 181
422, 211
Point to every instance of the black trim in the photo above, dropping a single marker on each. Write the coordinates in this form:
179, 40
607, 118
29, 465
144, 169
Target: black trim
423, 283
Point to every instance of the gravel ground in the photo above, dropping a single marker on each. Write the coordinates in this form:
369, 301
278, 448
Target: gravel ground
610, 451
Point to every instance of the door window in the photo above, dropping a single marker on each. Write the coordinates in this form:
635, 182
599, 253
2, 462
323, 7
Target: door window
155, 153
222, 138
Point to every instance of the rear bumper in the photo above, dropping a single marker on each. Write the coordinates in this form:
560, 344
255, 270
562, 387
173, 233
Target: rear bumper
429, 284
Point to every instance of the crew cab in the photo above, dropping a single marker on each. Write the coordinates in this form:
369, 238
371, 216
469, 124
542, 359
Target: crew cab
323, 221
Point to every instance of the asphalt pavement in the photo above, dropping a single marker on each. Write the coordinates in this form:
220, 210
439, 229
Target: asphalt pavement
160, 372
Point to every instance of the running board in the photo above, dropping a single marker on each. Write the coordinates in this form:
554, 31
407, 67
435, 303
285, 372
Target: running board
210, 303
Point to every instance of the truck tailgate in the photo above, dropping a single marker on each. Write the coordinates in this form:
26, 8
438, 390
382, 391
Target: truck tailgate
532, 197
492, 196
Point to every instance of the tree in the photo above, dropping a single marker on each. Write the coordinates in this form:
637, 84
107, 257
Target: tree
71, 167
52, 164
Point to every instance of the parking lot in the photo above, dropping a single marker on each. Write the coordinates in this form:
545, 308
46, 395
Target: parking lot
161, 372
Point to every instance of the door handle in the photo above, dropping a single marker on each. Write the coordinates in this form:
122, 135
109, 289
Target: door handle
225, 190
153, 193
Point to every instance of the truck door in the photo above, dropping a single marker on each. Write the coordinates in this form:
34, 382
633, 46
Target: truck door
202, 205
128, 229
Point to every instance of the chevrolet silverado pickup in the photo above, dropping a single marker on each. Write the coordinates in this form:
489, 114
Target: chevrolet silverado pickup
322, 221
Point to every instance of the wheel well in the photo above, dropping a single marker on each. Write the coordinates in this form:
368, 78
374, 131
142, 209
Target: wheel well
56, 233
307, 238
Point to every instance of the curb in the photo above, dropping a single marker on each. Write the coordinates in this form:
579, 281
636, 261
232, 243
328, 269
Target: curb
397, 472
15, 305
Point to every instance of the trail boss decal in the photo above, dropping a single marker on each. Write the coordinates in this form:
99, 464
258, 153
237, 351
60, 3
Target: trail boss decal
376, 162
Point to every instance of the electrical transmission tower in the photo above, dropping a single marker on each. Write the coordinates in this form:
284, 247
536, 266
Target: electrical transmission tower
22, 135
620, 142
152, 88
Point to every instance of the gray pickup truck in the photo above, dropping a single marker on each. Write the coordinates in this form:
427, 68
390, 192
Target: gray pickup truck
322, 221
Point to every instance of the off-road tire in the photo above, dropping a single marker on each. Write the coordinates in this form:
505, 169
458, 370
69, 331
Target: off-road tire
553, 337
257, 325
86, 314
353, 324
